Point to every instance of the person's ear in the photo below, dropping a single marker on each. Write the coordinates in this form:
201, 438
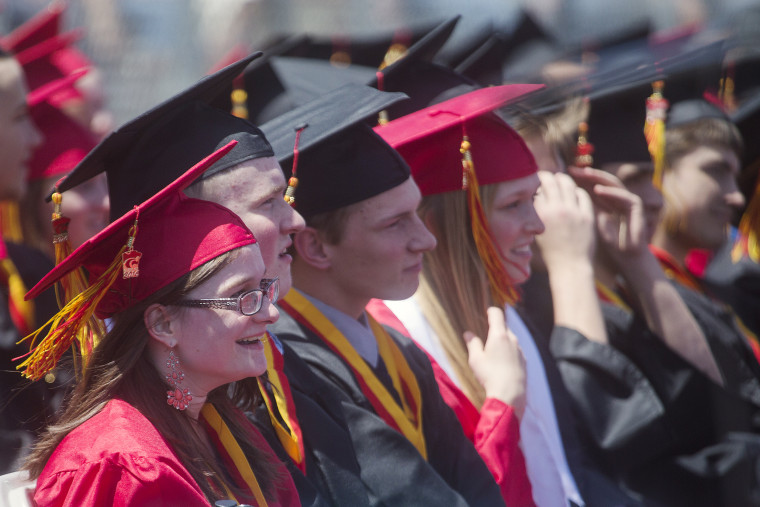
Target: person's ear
160, 324
312, 249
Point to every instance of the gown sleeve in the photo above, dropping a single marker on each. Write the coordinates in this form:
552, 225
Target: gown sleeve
119, 480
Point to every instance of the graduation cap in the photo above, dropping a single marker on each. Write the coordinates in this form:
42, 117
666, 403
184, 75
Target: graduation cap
688, 111
337, 160
153, 244
485, 63
146, 153
370, 51
65, 143
616, 123
459, 145
44, 25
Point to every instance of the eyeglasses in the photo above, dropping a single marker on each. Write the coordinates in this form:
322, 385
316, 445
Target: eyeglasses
247, 303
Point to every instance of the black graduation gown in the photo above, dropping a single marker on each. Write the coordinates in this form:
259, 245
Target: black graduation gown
659, 425
25, 406
391, 467
736, 284
332, 471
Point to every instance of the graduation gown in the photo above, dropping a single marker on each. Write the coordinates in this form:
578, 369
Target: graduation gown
737, 284
494, 430
328, 473
391, 466
25, 406
118, 458
657, 424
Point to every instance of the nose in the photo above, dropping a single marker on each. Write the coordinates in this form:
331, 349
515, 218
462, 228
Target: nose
292, 221
268, 314
534, 225
734, 197
33, 136
422, 239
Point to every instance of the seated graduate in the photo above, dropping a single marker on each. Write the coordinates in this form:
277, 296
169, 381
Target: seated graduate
363, 240
669, 403
248, 181
486, 212
154, 416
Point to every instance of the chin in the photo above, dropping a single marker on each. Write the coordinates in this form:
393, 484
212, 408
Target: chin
518, 276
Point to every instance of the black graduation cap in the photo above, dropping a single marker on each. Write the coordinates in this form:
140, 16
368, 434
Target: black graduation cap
485, 64
147, 153
616, 122
340, 161
359, 50
688, 111
747, 119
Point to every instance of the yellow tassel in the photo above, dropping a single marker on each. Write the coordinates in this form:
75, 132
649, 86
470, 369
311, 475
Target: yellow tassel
21, 311
239, 98
583, 149
746, 244
502, 290
72, 284
654, 130
10, 222
71, 322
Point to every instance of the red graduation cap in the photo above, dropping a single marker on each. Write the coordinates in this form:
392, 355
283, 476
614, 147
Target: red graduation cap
152, 245
43, 25
460, 144
430, 140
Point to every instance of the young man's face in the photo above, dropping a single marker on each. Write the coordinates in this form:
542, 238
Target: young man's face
380, 251
637, 178
18, 135
254, 191
702, 196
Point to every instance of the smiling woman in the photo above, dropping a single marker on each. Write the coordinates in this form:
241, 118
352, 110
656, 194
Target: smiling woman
155, 415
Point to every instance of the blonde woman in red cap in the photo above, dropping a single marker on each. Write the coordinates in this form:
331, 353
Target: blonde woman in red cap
155, 417
481, 200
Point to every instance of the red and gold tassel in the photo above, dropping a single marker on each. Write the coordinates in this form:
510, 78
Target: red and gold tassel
654, 130
239, 98
584, 150
746, 244
502, 290
70, 323
290, 192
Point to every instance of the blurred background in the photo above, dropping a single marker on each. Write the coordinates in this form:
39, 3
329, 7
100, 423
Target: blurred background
149, 49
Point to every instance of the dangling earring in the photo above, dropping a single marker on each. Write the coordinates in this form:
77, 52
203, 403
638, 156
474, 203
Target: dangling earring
178, 398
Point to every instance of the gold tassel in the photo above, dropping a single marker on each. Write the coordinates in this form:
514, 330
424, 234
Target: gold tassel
746, 244
654, 130
239, 98
72, 284
502, 290
10, 222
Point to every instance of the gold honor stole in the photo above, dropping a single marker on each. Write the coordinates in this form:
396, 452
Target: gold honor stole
407, 418
289, 435
610, 296
232, 453
677, 273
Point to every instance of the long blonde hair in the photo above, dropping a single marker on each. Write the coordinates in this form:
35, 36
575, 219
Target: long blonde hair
454, 292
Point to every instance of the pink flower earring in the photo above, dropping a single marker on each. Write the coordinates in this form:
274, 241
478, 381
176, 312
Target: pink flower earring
177, 397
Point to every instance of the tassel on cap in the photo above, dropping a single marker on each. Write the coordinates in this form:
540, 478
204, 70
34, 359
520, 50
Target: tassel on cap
290, 192
654, 130
747, 244
382, 116
502, 290
239, 98
72, 284
70, 323
584, 150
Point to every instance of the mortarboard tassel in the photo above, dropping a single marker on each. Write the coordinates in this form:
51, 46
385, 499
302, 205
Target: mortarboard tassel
502, 290
10, 222
746, 244
290, 192
726, 90
71, 321
654, 130
73, 283
21, 311
382, 116
239, 99
584, 150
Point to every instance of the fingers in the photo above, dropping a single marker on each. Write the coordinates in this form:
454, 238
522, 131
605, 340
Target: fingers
588, 177
496, 320
474, 344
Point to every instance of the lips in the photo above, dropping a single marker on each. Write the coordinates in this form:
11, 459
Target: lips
253, 340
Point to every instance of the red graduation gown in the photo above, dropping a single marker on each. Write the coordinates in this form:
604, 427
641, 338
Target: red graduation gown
118, 458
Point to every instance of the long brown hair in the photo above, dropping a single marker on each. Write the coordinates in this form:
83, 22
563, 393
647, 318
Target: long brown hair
119, 367
454, 292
